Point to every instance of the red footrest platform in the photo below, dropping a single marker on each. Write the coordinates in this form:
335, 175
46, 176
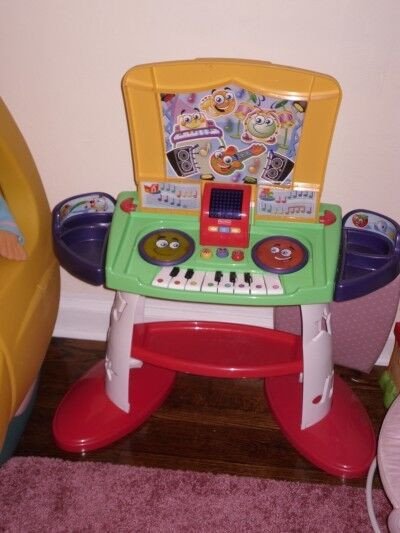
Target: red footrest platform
218, 349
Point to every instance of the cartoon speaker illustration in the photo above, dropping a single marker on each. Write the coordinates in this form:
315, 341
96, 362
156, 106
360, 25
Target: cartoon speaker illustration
277, 168
182, 160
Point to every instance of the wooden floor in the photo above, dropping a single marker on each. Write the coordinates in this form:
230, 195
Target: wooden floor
212, 425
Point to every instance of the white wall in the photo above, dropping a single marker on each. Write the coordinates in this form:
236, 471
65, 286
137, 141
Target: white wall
61, 62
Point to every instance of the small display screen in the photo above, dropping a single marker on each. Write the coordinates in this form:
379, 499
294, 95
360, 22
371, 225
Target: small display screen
226, 203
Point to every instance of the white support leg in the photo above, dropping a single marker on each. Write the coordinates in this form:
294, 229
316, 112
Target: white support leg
317, 363
127, 310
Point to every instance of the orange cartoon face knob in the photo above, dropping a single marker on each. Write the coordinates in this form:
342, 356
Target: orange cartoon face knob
279, 254
166, 247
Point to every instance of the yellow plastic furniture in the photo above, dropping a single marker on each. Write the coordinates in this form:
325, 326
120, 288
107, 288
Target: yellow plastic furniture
29, 290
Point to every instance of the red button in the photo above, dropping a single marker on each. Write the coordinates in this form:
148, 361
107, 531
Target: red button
327, 218
237, 255
128, 205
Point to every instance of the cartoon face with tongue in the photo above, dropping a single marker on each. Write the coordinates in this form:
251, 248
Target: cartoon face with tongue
219, 103
280, 254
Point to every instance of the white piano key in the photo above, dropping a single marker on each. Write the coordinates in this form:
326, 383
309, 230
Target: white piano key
195, 282
225, 286
273, 283
257, 285
162, 278
209, 283
179, 281
241, 286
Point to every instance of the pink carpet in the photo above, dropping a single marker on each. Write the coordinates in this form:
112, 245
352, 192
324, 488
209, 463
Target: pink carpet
39, 494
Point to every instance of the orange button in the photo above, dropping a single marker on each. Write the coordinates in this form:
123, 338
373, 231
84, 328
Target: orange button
206, 253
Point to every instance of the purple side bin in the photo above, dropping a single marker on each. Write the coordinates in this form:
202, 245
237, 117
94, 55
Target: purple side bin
80, 233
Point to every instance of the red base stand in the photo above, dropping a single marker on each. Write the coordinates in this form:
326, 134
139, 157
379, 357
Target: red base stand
87, 420
342, 444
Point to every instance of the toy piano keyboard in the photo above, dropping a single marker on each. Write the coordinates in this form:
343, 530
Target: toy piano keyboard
280, 263
229, 160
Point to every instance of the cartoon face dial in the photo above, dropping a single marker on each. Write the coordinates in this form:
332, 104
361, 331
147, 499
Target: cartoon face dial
261, 125
280, 254
166, 247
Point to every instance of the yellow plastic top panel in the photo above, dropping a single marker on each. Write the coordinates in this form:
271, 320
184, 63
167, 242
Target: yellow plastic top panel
232, 118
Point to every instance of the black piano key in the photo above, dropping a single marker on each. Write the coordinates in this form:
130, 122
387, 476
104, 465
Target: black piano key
174, 272
232, 277
189, 273
218, 276
247, 278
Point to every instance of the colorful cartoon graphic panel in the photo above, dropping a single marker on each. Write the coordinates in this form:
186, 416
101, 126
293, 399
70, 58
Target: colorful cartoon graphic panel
232, 135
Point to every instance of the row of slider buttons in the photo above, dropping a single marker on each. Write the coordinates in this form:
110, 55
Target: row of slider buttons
223, 229
221, 282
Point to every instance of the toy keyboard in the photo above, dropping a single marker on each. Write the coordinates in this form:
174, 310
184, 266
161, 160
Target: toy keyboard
147, 254
188, 279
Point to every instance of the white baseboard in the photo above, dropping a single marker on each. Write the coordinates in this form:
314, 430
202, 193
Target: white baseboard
83, 317
87, 317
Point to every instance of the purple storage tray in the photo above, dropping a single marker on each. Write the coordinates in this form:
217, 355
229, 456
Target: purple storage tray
369, 260
80, 232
